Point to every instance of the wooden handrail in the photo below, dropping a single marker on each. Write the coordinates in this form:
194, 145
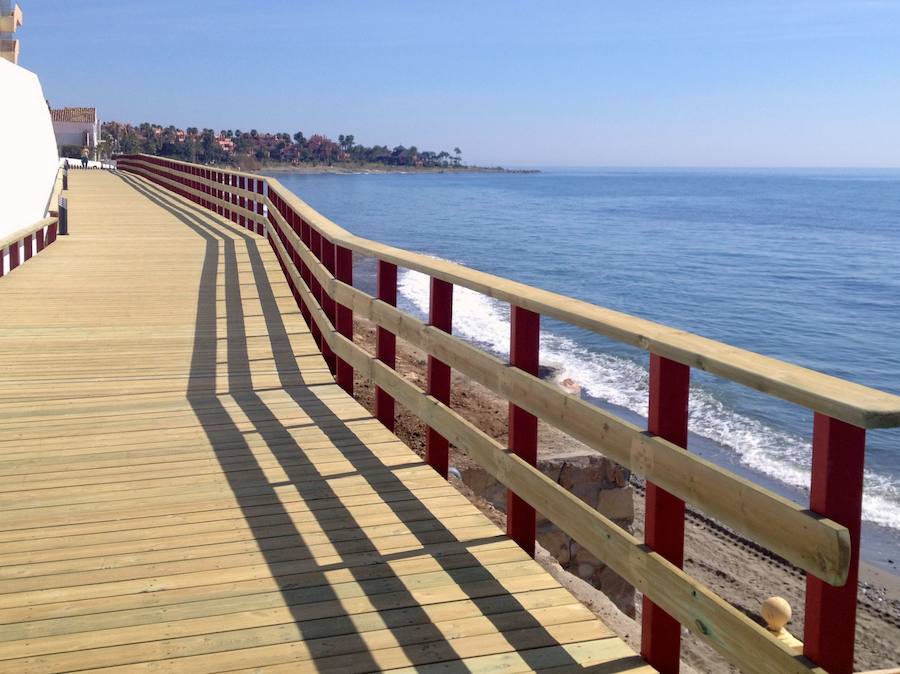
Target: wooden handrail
33, 238
813, 543
315, 253
854, 403
30, 230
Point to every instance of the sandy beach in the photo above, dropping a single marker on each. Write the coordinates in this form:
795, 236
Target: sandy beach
734, 567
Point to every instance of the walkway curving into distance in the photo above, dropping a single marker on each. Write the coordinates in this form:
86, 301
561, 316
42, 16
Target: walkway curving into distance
183, 487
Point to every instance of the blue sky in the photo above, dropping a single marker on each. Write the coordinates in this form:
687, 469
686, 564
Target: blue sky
727, 83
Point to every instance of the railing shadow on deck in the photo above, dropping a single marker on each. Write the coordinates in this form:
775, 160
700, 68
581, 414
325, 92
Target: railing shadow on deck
822, 539
397, 606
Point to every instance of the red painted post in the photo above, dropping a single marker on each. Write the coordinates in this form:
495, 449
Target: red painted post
223, 210
306, 274
179, 178
220, 178
39, 235
51, 232
302, 230
223, 195
316, 247
664, 518
13, 255
242, 201
524, 344
232, 182
386, 341
327, 258
260, 226
440, 315
836, 492
27, 248
343, 271
294, 222
270, 218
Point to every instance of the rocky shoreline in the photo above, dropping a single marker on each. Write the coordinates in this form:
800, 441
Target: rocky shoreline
732, 566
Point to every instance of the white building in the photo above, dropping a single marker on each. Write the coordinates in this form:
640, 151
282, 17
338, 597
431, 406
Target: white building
10, 20
78, 127
28, 157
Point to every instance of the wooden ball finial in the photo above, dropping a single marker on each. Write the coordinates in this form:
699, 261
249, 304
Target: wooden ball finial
776, 612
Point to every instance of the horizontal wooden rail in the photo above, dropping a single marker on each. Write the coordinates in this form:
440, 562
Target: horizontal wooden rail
315, 255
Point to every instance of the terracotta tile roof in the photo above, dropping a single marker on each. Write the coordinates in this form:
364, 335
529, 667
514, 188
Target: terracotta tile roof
73, 114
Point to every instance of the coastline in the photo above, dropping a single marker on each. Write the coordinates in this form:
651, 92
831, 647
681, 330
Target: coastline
730, 565
384, 168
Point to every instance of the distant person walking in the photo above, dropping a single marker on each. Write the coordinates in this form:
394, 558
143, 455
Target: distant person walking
84, 157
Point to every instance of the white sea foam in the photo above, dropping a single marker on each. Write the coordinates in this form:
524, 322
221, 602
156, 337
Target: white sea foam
623, 382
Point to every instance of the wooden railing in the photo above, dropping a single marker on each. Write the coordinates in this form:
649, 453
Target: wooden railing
823, 540
22, 245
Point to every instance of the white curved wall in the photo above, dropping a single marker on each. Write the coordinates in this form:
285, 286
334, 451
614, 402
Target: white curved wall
28, 157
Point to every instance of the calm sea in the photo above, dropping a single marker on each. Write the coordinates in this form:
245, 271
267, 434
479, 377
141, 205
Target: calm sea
799, 265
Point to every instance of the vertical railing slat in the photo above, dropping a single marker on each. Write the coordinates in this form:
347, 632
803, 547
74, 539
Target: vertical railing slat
316, 247
664, 516
13, 255
303, 233
327, 258
310, 279
524, 346
440, 315
386, 341
293, 221
343, 271
242, 201
260, 227
223, 195
233, 197
836, 492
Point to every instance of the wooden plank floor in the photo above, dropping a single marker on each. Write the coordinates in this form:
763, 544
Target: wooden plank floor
183, 488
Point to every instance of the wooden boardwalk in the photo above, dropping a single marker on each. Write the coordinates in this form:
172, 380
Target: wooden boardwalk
183, 488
